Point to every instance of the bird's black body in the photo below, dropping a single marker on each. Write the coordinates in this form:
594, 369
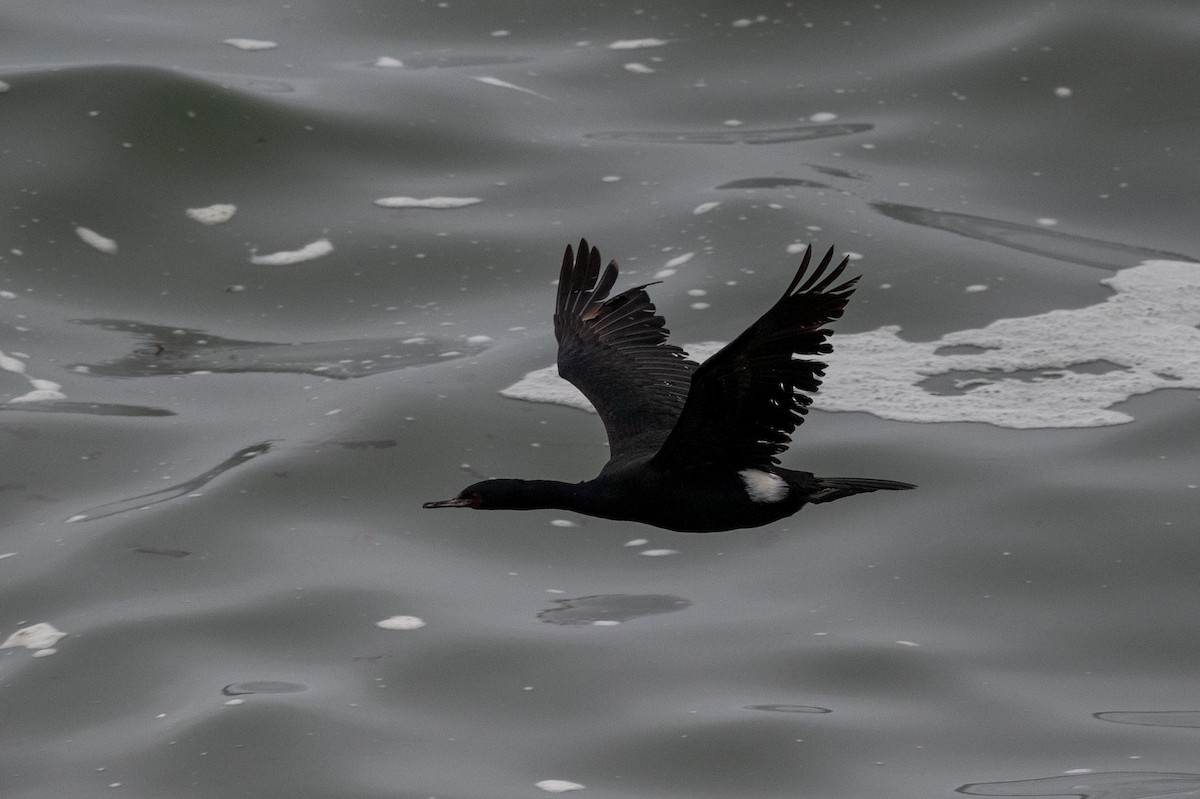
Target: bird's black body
692, 447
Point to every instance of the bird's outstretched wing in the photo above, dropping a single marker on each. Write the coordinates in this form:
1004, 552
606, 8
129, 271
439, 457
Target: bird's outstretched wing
746, 400
614, 350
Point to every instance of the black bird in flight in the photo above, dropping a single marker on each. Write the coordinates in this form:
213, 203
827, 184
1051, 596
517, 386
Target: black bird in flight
692, 446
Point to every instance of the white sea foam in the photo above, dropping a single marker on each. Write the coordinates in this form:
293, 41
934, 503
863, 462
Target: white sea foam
636, 44
426, 202
704, 208
42, 389
41, 636
251, 44
101, 243
212, 214
1147, 331
503, 84
401, 623
680, 260
387, 62
558, 786
639, 68
11, 364
306, 253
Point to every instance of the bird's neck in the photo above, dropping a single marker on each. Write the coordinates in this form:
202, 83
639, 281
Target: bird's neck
548, 494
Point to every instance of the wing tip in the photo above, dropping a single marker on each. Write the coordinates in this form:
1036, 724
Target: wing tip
818, 282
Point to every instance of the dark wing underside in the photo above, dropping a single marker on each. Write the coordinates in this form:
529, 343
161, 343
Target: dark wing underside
614, 350
746, 400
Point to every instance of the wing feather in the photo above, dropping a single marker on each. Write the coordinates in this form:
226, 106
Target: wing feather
747, 399
614, 351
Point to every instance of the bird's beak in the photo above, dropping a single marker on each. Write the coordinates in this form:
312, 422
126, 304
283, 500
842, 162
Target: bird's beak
457, 502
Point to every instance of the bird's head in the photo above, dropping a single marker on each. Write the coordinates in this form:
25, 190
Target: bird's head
492, 495
509, 494
470, 497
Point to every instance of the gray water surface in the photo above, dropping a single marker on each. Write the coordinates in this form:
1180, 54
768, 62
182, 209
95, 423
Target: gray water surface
220, 500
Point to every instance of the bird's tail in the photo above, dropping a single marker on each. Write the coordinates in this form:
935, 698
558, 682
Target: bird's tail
827, 489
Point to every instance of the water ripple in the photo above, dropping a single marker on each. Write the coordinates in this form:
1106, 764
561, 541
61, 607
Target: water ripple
1162, 718
1099, 785
175, 491
773, 183
733, 135
1029, 238
179, 351
611, 607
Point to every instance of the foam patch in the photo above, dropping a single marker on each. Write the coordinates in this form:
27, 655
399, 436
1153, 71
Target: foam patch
1063, 368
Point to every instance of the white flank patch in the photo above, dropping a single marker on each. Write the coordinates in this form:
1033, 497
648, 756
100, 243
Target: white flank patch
637, 44
306, 253
4, 87
427, 202
558, 786
35, 636
101, 243
212, 214
251, 44
503, 84
763, 486
401, 623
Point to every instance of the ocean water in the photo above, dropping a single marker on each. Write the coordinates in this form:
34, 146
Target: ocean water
267, 269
